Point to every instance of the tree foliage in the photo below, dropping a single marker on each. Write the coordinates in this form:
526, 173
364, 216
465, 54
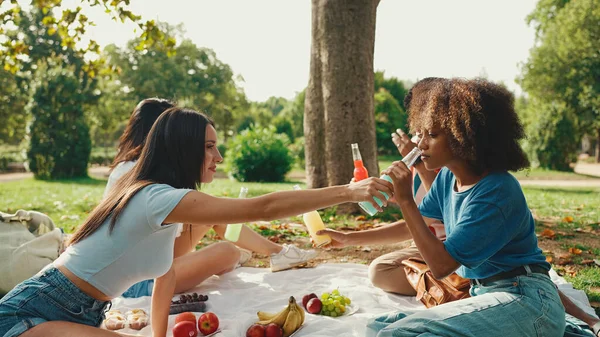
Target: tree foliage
562, 74
13, 117
389, 111
389, 116
59, 87
60, 143
192, 76
70, 27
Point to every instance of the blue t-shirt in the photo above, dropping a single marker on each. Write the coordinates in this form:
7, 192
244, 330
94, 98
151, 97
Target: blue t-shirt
489, 227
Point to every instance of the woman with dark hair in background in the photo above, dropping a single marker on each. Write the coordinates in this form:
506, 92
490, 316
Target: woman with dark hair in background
194, 266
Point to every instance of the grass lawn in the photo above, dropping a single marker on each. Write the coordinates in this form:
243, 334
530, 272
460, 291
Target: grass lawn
568, 219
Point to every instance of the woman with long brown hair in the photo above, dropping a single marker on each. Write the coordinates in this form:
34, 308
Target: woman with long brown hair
129, 236
194, 266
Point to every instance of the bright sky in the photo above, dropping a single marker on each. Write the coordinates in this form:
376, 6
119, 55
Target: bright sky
267, 42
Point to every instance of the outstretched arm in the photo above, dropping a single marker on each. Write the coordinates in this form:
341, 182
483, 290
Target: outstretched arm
202, 209
388, 234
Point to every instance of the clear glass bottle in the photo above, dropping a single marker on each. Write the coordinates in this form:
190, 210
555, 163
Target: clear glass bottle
410, 159
232, 233
360, 171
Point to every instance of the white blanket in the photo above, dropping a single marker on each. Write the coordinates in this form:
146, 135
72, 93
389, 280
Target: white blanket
237, 296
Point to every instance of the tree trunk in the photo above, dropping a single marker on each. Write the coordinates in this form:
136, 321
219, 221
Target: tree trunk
339, 99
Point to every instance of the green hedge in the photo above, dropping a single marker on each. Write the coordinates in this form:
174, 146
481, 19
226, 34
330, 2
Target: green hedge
259, 155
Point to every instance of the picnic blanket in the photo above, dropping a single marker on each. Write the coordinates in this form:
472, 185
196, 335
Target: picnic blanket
236, 297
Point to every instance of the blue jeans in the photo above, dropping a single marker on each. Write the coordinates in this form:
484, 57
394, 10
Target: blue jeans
520, 306
47, 296
143, 288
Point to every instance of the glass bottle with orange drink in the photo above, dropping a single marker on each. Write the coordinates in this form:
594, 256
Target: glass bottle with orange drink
360, 171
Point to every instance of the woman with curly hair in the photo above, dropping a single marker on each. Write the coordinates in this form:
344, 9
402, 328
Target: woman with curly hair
387, 271
470, 130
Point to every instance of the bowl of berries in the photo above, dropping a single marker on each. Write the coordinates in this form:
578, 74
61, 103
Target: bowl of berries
188, 302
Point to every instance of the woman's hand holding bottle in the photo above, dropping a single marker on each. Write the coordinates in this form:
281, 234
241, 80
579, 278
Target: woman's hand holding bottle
402, 178
338, 239
366, 189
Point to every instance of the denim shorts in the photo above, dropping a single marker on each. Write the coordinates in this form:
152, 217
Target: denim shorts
47, 296
143, 288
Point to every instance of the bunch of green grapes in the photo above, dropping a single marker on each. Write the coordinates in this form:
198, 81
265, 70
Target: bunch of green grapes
334, 303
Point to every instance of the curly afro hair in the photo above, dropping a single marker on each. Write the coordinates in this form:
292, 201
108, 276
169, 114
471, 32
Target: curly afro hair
419, 92
479, 117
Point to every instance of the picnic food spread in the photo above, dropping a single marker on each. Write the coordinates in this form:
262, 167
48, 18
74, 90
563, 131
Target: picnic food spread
331, 304
135, 319
185, 324
189, 302
283, 323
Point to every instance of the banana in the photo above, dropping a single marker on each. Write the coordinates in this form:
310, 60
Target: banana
279, 318
301, 310
289, 319
293, 320
265, 316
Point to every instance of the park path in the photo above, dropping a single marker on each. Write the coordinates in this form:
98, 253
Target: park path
582, 168
96, 171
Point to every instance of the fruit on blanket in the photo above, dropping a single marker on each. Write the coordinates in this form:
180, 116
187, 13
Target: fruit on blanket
208, 323
314, 306
188, 302
278, 318
301, 311
289, 319
307, 298
193, 298
185, 316
185, 329
183, 307
273, 330
294, 318
255, 330
333, 304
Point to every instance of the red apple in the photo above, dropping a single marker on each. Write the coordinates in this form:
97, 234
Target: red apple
314, 306
273, 330
185, 329
208, 323
307, 298
255, 330
185, 316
